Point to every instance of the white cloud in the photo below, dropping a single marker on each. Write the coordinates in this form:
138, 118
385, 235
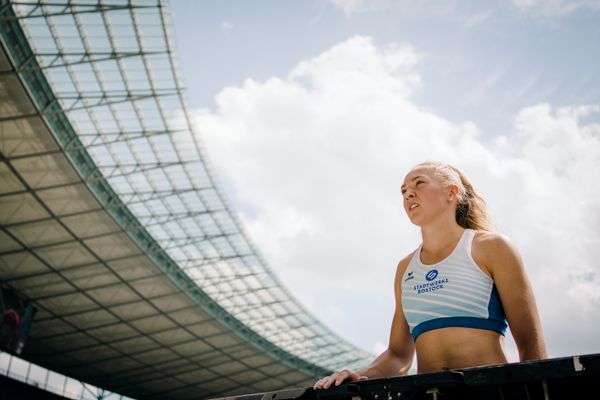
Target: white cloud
226, 26
554, 7
316, 160
349, 7
379, 348
545, 8
413, 7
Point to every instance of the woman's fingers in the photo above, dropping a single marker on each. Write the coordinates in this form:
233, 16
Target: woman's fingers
326, 382
342, 376
320, 384
335, 379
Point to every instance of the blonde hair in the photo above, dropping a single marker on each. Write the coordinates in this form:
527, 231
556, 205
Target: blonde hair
471, 210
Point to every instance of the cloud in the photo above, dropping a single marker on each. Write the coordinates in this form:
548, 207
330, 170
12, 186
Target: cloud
551, 8
539, 8
350, 7
315, 160
412, 7
226, 26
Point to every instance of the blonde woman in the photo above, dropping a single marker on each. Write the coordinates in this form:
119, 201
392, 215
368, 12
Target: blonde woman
457, 293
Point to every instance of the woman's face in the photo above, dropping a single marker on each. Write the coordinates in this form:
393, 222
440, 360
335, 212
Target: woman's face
425, 196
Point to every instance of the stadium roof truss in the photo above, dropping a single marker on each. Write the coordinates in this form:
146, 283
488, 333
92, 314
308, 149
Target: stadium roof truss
112, 224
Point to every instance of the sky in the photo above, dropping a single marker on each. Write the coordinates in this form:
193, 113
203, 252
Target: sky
312, 112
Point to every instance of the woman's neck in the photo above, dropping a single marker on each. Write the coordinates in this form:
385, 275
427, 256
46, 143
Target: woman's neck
440, 237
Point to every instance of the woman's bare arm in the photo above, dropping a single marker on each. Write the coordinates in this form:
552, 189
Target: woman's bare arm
504, 264
394, 361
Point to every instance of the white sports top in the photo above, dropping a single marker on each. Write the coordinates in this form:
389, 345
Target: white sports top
452, 292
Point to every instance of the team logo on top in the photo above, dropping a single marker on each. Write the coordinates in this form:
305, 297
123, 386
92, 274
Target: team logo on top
409, 276
431, 275
432, 283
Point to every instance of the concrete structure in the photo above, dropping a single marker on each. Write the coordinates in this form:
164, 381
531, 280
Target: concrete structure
113, 226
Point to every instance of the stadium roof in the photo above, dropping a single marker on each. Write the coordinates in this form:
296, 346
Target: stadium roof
113, 225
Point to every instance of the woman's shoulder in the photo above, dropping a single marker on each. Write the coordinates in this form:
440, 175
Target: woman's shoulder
491, 246
491, 240
403, 264
400, 270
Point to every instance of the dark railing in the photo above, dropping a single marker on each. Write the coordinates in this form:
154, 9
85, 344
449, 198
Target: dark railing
576, 377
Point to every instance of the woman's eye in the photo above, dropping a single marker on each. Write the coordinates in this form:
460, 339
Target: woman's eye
419, 182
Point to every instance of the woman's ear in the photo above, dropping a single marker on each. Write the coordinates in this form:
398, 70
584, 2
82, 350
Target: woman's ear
452, 192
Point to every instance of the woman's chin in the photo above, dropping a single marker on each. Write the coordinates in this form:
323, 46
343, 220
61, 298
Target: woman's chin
415, 221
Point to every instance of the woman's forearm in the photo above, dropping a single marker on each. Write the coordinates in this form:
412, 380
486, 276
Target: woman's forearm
533, 350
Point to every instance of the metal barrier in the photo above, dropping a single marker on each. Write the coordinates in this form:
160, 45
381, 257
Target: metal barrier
575, 377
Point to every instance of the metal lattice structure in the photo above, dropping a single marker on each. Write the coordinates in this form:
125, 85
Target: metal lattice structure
113, 225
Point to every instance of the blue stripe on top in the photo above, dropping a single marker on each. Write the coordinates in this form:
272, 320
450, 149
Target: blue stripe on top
454, 292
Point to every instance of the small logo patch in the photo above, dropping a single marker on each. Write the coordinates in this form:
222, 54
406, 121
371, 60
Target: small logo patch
431, 275
409, 276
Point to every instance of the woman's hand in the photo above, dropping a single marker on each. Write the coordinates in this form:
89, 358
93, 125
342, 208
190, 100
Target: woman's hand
337, 378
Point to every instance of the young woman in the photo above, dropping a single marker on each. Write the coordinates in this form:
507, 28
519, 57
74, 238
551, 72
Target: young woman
458, 291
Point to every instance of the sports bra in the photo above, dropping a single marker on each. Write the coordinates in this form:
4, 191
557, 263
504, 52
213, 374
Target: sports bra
454, 292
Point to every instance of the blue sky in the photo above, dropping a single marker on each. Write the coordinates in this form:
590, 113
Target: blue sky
312, 112
481, 61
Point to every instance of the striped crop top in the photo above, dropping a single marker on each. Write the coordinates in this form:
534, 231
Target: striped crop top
454, 292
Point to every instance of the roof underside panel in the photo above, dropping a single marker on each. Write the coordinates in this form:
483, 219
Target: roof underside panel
112, 224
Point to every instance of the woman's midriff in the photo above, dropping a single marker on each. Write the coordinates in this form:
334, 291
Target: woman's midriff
456, 347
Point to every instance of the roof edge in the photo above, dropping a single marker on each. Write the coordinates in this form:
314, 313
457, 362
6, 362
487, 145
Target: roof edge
49, 109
